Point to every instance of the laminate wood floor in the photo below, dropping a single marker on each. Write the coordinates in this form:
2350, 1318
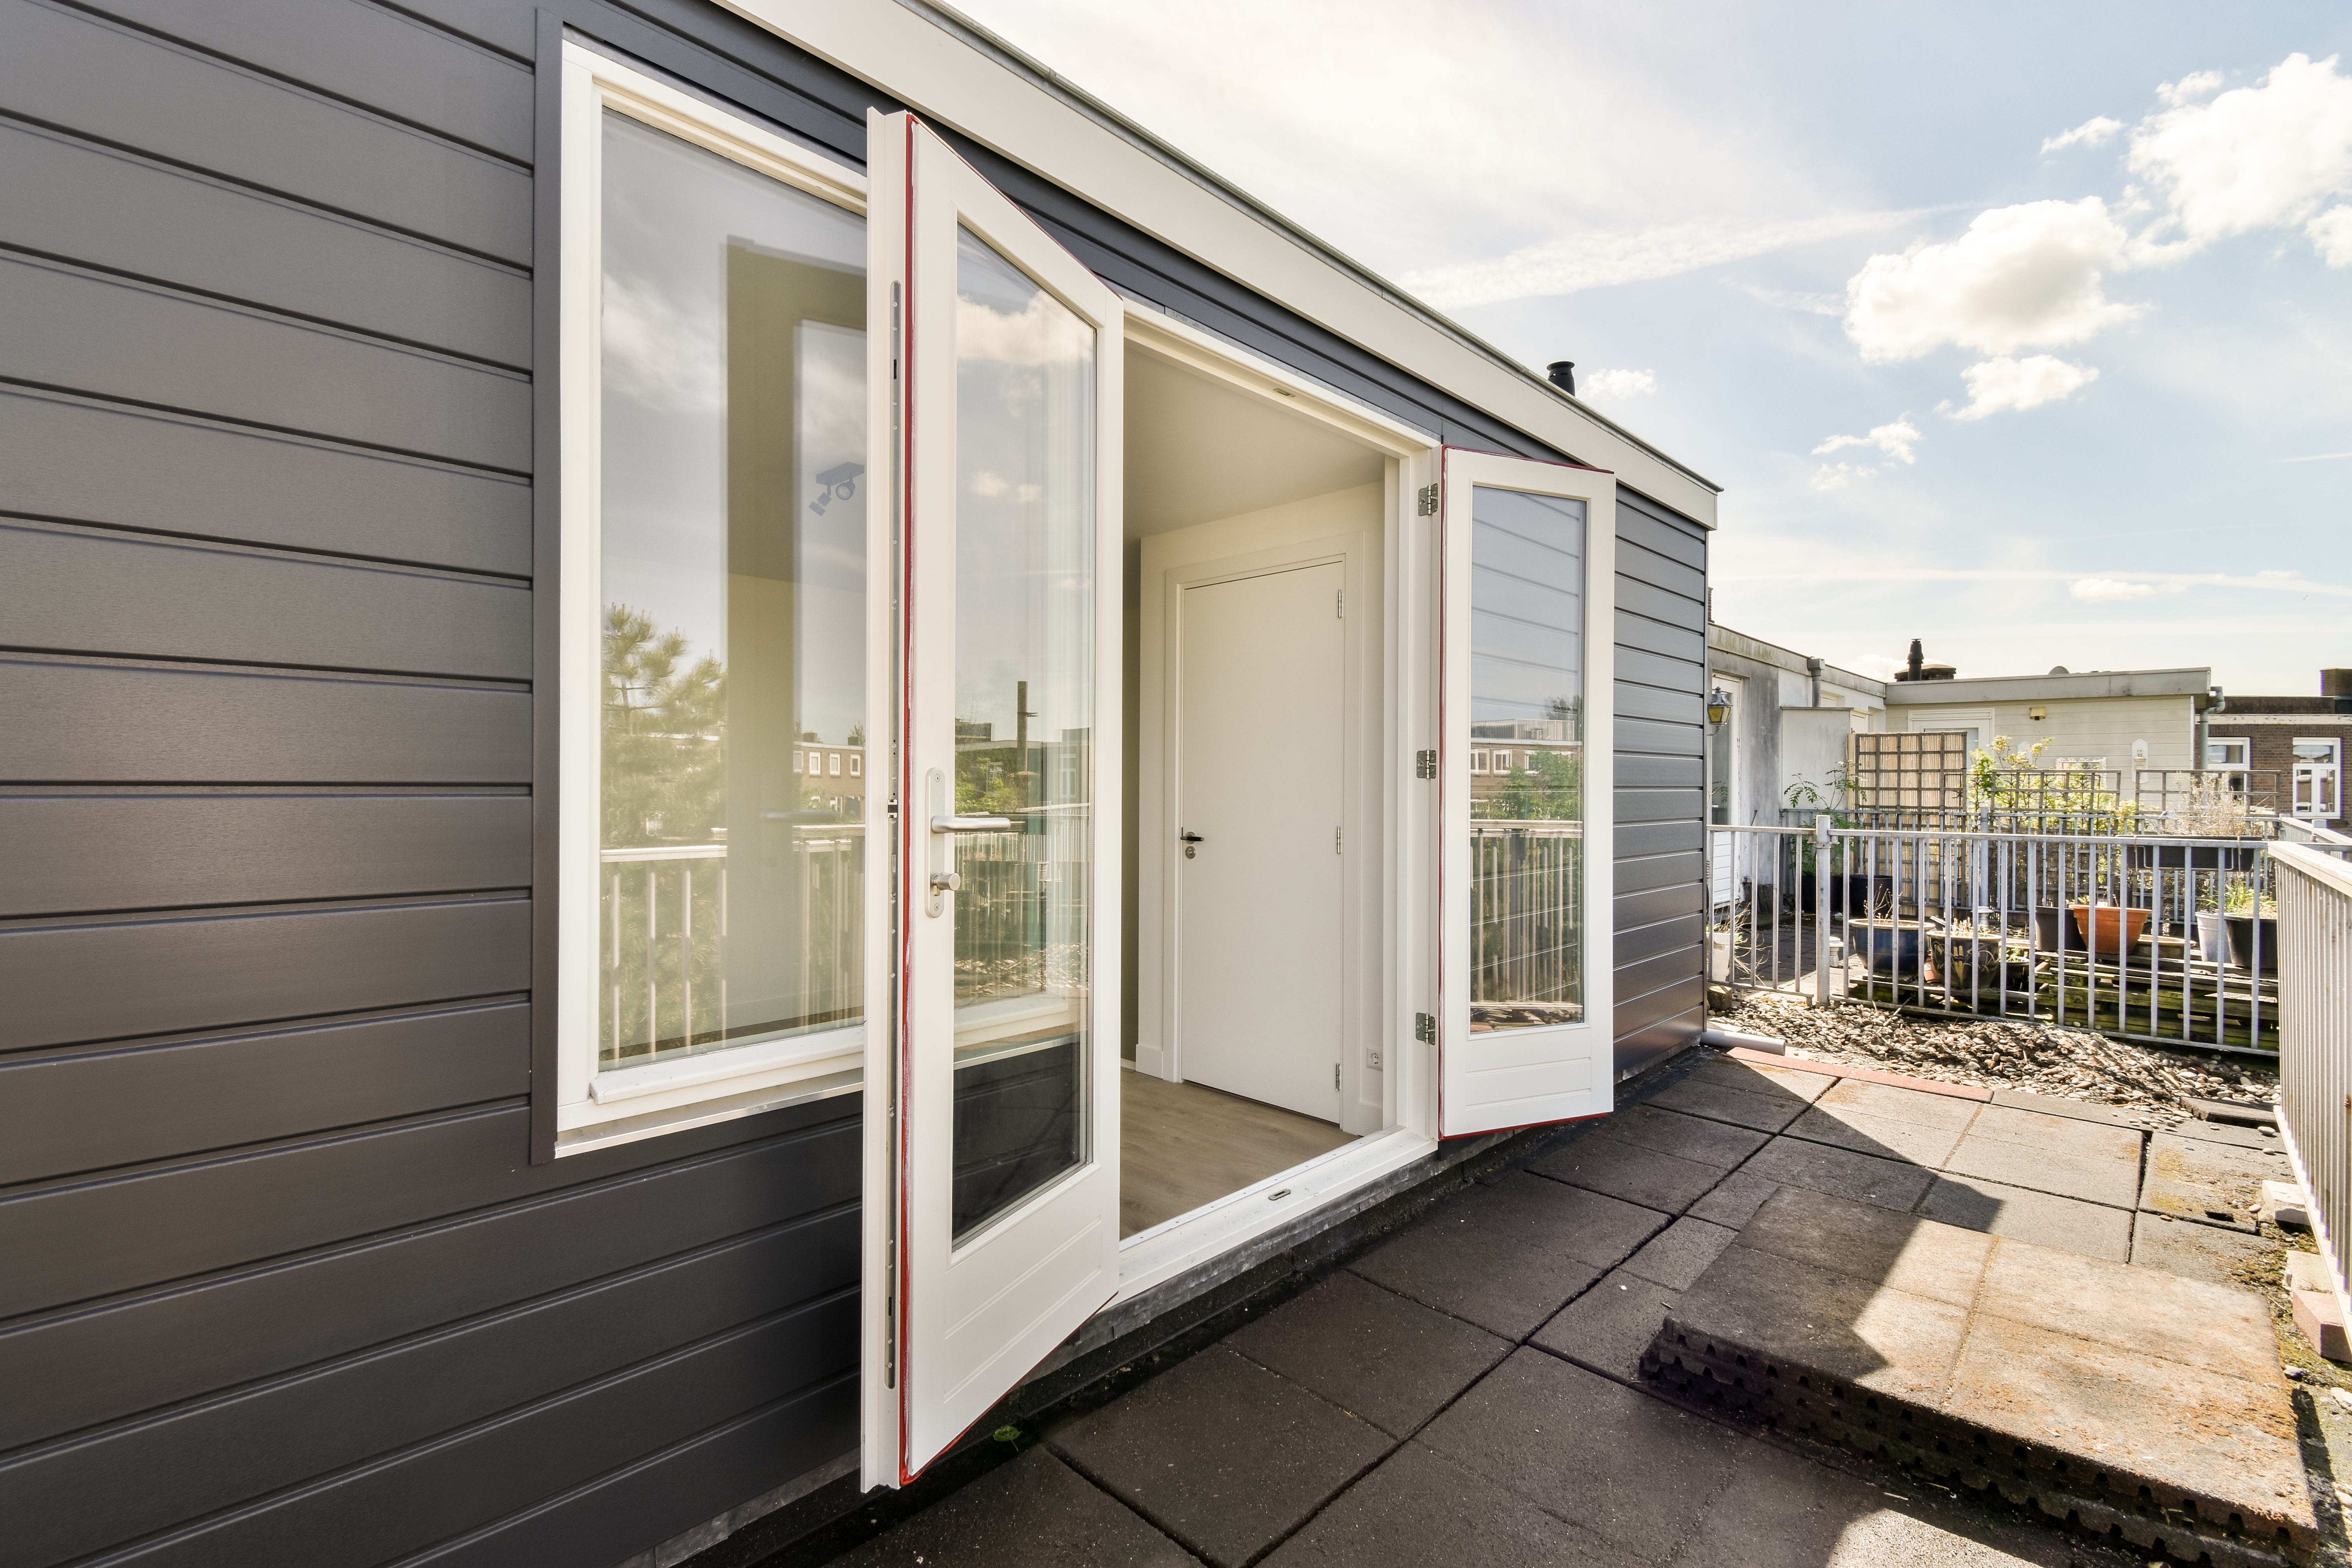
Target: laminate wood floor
1183, 1145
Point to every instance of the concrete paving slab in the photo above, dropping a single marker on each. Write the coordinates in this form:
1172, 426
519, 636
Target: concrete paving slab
2216, 1328
1221, 1454
2226, 1444
1868, 1075
1882, 1136
1508, 1257
2069, 1224
1785, 1510
1872, 1243
2109, 1177
1607, 1328
1637, 1175
2073, 1110
2212, 1183
1861, 1097
2263, 1138
1370, 1351
1735, 1199
1710, 1143
1701, 1096
1804, 1321
1773, 1079
2036, 1129
1421, 1510
1841, 1173
1634, 1470
1680, 1253
2195, 1251
1034, 1509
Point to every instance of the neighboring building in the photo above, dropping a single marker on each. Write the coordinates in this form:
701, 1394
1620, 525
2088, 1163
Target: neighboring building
1782, 740
460, 1100
2123, 720
2290, 748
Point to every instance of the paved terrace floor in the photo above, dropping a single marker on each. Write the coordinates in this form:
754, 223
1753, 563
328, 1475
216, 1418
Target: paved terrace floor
1469, 1390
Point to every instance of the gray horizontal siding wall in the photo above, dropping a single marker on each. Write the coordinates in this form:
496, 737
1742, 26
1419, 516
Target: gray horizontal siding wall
284, 1285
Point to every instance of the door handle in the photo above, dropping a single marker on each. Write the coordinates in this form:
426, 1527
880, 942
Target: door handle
1188, 837
972, 823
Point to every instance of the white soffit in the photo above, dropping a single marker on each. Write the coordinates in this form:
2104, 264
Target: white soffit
922, 64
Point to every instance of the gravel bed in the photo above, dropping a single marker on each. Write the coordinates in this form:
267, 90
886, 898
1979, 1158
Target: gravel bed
2037, 1058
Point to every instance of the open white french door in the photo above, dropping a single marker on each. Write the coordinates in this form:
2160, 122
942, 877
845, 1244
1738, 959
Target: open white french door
992, 1110
1526, 720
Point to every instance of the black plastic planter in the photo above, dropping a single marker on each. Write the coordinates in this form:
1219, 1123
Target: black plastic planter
2241, 943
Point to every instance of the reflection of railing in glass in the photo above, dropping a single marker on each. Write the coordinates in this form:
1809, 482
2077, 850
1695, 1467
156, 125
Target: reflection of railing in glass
664, 952
1526, 923
1021, 915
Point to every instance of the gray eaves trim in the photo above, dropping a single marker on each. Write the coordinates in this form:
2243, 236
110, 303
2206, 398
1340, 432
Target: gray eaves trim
1045, 79
2077, 687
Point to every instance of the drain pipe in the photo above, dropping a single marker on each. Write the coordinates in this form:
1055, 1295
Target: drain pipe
1813, 669
1730, 1039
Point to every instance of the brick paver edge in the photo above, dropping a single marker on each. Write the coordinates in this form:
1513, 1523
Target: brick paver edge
1867, 1075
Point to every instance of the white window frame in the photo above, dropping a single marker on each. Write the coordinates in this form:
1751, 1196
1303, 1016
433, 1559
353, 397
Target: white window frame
1479, 758
2245, 758
597, 1107
2333, 764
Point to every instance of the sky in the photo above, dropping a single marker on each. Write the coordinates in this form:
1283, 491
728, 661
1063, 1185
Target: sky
2022, 330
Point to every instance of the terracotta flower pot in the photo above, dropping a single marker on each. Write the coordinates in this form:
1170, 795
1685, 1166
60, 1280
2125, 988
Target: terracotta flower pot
2108, 930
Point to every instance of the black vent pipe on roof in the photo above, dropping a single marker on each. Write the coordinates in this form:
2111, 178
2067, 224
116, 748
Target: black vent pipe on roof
1912, 666
1561, 373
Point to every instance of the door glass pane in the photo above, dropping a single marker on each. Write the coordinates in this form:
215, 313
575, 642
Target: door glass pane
1024, 728
1526, 827
733, 578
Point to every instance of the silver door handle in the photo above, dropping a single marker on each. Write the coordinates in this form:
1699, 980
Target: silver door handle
971, 824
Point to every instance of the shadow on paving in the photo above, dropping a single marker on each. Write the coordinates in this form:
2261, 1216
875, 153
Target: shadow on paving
1470, 1386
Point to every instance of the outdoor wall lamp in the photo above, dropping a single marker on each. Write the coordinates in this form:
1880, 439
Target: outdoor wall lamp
1718, 705
2037, 714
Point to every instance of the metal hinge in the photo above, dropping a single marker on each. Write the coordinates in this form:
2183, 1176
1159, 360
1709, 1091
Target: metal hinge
1424, 764
1428, 502
1335, 1075
1340, 605
1424, 1027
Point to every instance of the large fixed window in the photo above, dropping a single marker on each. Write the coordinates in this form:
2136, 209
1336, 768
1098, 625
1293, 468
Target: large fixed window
713, 610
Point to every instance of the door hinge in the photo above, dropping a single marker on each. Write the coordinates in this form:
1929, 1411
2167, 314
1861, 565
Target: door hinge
1427, 506
1340, 605
1335, 1075
1336, 841
1424, 1027
1424, 764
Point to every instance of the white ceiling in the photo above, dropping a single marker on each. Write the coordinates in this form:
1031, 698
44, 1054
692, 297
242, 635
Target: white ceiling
1198, 450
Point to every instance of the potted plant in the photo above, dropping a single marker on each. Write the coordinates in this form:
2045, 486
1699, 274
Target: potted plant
2107, 929
2209, 808
2253, 921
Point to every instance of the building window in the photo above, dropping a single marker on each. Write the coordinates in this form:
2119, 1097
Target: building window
833, 764
2227, 753
857, 764
2318, 786
713, 281
1477, 762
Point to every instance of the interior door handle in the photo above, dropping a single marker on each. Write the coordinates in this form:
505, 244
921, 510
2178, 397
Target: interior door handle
1188, 837
972, 823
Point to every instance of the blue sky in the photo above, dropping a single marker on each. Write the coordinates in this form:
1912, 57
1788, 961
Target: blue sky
2086, 404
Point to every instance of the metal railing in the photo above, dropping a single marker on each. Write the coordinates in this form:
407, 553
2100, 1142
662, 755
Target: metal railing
2314, 928
2157, 938
1527, 920
1021, 915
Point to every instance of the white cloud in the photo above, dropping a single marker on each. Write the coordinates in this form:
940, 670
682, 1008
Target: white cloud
1614, 385
1877, 665
2254, 157
2099, 590
1789, 300
1837, 476
1895, 439
661, 354
1046, 332
1599, 259
2191, 88
2093, 132
1998, 385
2021, 276
984, 483
2331, 233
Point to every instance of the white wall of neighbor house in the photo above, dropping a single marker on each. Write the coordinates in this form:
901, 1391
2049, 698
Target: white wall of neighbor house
2091, 728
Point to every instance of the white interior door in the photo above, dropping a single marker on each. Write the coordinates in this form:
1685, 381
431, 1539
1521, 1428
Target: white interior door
1261, 776
1526, 635
992, 1097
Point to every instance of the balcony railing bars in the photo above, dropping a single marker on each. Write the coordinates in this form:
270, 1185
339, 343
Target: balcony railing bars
1527, 912
2153, 937
2315, 927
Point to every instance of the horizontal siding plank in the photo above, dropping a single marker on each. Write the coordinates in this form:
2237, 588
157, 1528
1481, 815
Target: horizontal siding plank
1646, 669
1686, 707
1636, 1009
74, 71
626, 1208
505, 1464
92, 334
1663, 870
1642, 770
1644, 1048
110, 210
75, 855
1677, 640
1657, 804
89, 462
1652, 904
1680, 541
226, 1451
363, 53
499, 24
1661, 605
1643, 736
88, 1111
1640, 976
1679, 935
1659, 571
73, 591
65, 982
140, 723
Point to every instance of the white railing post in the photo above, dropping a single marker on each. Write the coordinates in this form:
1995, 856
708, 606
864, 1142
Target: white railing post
2314, 891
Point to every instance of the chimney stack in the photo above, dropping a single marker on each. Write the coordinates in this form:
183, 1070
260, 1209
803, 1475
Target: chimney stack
1561, 373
